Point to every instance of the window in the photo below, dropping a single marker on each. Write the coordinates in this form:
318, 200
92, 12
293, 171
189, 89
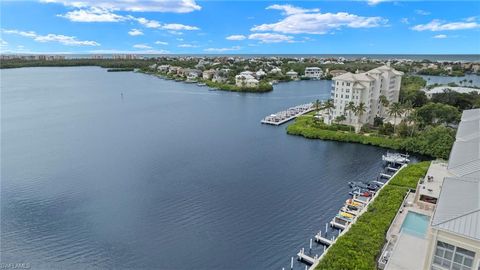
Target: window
449, 257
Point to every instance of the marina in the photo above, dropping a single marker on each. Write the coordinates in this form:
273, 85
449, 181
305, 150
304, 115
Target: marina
362, 194
282, 117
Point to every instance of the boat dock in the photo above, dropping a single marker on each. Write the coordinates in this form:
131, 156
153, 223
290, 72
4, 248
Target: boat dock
305, 258
282, 117
348, 214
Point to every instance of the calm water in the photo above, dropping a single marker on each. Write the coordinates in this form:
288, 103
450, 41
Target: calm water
172, 176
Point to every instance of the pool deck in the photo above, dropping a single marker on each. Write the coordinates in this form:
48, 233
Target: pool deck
409, 253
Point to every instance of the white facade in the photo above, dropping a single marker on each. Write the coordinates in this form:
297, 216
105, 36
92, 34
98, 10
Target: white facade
246, 81
292, 74
313, 73
365, 88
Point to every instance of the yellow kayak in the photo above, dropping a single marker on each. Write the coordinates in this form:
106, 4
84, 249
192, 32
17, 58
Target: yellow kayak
353, 203
347, 215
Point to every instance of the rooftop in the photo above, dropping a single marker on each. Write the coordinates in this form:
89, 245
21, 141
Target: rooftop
458, 209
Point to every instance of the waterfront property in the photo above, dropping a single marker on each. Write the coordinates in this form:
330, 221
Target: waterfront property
364, 88
449, 198
314, 73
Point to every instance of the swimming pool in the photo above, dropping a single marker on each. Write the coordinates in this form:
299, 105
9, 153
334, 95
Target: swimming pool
415, 224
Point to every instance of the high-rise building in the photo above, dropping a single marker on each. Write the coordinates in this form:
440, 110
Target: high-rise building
366, 88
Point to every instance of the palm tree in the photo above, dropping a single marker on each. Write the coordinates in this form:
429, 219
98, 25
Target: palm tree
413, 119
340, 118
395, 110
351, 108
360, 109
407, 107
384, 101
328, 105
317, 105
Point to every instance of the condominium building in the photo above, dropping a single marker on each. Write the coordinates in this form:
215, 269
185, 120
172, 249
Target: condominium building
366, 88
454, 238
438, 228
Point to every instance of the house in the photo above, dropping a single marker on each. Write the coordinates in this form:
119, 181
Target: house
260, 74
292, 75
163, 68
246, 81
219, 77
313, 73
365, 88
275, 70
208, 74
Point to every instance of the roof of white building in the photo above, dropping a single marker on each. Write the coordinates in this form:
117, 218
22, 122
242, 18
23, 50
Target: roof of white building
465, 155
459, 89
458, 207
313, 68
353, 77
389, 69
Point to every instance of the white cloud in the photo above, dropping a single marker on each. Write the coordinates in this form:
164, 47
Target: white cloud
135, 32
187, 46
161, 42
175, 6
141, 46
129, 52
289, 9
270, 37
147, 23
422, 12
178, 33
93, 14
62, 39
3, 43
375, 2
437, 25
236, 37
404, 21
234, 48
178, 26
304, 22
440, 36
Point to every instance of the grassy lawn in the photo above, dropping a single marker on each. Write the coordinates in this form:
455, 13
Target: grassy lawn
361, 245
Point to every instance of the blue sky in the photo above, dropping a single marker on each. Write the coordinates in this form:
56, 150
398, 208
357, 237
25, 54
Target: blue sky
241, 27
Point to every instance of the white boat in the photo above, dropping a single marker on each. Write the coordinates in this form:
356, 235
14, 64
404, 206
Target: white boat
396, 158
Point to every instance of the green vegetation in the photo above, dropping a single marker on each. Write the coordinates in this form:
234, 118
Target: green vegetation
120, 69
360, 247
410, 90
262, 87
463, 101
434, 141
105, 63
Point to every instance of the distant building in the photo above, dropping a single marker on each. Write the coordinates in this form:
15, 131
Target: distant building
219, 77
246, 81
292, 75
208, 74
313, 73
365, 88
260, 74
163, 68
275, 70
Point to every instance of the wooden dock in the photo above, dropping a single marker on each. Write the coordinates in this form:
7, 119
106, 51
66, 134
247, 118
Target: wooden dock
282, 117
